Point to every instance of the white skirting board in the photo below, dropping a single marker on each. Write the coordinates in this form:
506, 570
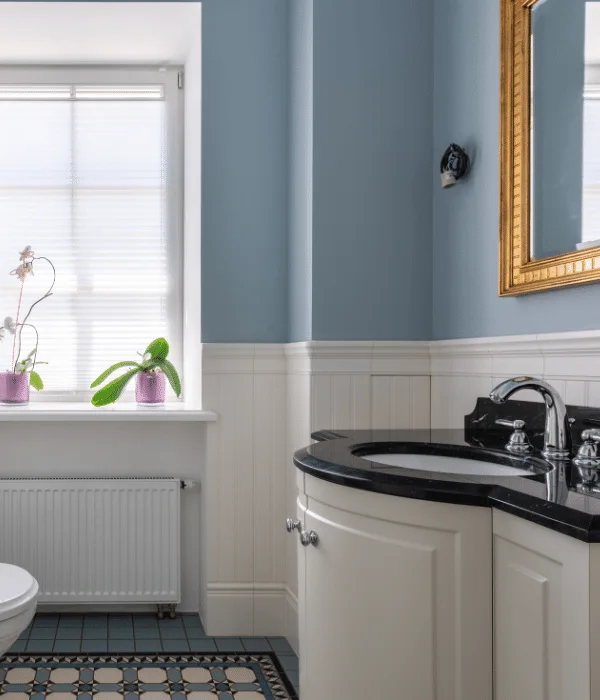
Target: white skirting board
291, 620
246, 609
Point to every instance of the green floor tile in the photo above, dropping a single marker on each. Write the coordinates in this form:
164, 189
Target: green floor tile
67, 646
203, 645
175, 645
280, 644
94, 646
229, 644
148, 646
121, 646
146, 633
39, 646
42, 633
256, 644
68, 633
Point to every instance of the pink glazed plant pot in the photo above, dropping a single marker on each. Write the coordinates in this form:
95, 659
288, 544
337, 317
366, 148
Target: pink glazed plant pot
150, 388
14, 387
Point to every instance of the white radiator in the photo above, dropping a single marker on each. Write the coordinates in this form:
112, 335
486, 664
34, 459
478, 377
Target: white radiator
94, 540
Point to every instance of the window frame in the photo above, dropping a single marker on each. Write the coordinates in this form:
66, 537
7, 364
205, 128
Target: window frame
118, 74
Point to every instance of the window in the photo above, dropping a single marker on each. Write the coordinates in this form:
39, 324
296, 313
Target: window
91, 178
591, 164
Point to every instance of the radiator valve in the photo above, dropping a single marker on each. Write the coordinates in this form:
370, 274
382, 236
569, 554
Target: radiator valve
188, 484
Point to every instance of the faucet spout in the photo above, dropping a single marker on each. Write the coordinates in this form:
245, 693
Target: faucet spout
557, 435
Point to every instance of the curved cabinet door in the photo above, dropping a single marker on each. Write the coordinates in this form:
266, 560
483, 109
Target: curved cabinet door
396, 609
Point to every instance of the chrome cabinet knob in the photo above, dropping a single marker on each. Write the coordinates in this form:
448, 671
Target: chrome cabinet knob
291, 525
307, 538
518, 443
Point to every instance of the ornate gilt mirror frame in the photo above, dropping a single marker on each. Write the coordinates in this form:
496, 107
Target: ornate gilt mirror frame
520, 274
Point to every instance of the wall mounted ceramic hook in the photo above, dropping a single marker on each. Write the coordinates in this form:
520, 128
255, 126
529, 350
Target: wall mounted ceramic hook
454, 165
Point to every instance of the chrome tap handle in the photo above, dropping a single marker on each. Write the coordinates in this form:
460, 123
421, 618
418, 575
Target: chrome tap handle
518, 443
516, 424
587, 454
591, 434
291, 525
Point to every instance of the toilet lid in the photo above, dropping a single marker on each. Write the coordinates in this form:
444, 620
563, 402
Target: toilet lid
17, 589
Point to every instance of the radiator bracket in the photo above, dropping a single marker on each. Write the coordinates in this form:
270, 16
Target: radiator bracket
163, 609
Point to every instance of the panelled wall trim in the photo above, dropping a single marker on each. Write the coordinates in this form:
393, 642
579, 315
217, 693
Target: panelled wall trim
270, 397
245, 488
564, 355
462, 370
358, 357
241, 358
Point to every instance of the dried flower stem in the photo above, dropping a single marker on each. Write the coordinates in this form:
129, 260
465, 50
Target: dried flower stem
16, 322
35, 303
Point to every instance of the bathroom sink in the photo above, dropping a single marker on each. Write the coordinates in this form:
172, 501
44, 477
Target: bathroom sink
424, 458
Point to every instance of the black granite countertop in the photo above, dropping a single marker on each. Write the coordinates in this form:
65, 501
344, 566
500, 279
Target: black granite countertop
552, 494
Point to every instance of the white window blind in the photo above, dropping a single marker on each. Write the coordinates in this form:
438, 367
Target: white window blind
590, 227
89, 177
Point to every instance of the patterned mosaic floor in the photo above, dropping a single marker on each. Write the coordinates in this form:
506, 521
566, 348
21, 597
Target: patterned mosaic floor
141, 633
141, 677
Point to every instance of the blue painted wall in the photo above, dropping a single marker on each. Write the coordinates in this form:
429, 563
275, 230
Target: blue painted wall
558, 70
244, 171
301, 170
465, 230
338, 244
372, 221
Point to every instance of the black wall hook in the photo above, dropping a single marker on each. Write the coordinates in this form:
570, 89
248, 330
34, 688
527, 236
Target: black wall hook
454, 165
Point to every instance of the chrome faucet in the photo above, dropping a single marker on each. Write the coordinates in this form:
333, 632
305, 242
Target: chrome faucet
557, 435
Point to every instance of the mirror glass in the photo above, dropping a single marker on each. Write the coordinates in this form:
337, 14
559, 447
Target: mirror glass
565, 126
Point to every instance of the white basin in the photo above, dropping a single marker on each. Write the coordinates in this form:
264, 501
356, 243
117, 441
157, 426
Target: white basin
446, 465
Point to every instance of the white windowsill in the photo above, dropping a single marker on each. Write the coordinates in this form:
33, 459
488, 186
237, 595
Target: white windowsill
126, 411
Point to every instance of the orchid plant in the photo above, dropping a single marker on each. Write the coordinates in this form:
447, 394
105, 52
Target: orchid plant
154, 360
14, 326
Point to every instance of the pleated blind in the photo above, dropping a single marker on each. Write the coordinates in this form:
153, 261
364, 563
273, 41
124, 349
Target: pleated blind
86, 181
591, 164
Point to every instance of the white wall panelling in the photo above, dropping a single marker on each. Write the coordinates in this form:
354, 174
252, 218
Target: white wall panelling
362, 384
245, 488
462, 370
270, 398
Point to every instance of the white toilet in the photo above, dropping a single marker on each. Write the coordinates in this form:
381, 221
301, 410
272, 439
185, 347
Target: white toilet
18, 601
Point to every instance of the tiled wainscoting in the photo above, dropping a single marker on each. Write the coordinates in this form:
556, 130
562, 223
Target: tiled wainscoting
271, 397
127, 634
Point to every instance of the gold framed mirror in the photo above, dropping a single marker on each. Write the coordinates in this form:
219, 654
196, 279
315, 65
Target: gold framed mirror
548, 230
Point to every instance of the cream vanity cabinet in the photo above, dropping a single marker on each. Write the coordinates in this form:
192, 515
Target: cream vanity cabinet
546, 613
396, 600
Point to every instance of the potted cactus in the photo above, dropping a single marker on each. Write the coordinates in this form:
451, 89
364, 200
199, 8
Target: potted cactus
150, 376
